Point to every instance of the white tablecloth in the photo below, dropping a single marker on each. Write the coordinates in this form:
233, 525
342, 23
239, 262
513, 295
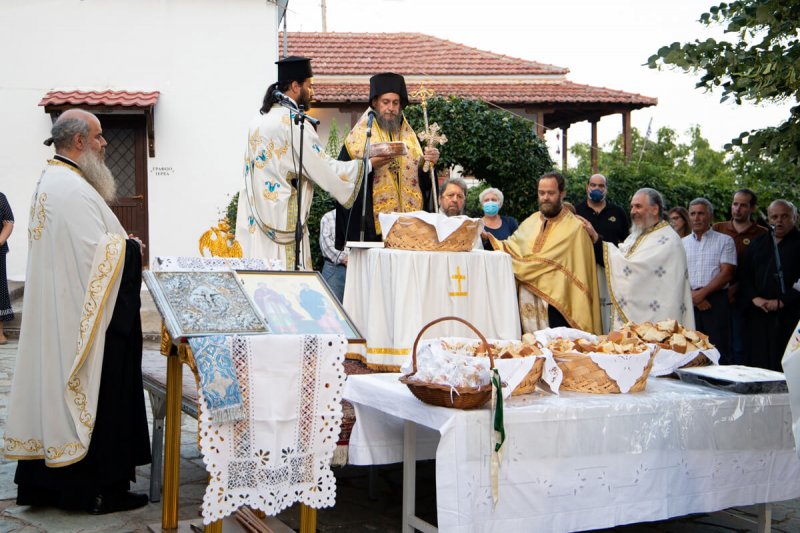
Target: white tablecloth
581, 461
391, 294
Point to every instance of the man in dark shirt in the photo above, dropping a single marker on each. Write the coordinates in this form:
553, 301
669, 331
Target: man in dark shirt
611, 222
607, 219
743, 230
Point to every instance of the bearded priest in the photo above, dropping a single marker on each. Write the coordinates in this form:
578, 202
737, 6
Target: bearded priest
646, 274
553, 262
76, 419
396, 183
267, 213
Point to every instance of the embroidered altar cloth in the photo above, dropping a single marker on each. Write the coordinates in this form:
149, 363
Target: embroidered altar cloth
280, 453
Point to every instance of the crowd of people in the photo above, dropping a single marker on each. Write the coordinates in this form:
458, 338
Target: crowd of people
737, 281
76, 419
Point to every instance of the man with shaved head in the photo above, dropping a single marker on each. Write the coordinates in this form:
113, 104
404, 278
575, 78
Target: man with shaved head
77, 422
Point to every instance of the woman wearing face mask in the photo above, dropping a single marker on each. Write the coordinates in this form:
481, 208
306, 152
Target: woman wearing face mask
500, 226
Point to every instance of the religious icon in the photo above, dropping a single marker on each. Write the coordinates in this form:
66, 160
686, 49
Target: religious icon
297, 302
203, 303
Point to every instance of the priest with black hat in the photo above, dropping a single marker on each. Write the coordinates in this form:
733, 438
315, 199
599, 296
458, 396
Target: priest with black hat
396, 183
267, 212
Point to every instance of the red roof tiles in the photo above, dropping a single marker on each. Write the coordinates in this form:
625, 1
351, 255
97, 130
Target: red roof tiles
500, 93
101, 98
446, 67
407, 53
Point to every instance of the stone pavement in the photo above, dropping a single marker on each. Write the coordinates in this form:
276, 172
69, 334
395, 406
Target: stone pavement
354, 510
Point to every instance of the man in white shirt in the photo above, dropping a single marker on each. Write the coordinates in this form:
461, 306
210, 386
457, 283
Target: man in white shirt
334, 270
711, 260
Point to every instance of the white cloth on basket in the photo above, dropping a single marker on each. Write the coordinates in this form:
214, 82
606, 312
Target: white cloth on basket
624, 369
281, 452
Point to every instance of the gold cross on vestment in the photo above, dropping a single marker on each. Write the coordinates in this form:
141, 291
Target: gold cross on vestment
459, 277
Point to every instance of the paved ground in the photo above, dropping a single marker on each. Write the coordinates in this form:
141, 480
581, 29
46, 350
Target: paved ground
354, 511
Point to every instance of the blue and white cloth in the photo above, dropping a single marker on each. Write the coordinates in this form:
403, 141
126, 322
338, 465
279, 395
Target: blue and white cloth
218, 380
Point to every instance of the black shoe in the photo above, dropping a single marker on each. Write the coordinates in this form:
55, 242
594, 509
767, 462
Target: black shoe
115, 502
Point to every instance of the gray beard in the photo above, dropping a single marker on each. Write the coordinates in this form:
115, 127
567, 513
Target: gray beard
636, 231
390, 126
98, 175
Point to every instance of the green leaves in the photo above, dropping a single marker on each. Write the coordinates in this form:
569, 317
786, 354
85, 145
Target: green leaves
761, 63
493, 145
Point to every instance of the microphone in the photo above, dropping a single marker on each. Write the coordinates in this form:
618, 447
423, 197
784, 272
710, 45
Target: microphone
371, 117
280, 96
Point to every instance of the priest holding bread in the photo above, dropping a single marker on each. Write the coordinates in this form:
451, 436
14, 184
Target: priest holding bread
646, 274
397, 182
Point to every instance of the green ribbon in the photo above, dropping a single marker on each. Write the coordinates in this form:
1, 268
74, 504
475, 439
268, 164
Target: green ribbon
498, 410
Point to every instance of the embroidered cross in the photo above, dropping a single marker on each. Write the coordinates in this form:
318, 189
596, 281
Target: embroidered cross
654, 305
683, 308
663, 240
622, 302
627, 271
459, 277
660, 271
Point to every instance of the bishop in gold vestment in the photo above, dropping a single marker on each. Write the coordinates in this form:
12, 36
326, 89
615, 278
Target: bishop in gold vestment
554, 264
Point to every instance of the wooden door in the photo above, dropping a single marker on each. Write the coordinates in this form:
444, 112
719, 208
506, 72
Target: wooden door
126, 156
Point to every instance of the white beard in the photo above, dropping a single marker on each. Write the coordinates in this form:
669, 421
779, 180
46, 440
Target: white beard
98, 175
636, 231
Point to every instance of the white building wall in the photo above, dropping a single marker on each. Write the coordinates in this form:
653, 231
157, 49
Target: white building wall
212, 61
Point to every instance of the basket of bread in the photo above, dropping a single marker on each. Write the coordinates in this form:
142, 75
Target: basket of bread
528, 347
450, 379
436, 232
678, 347
615, 363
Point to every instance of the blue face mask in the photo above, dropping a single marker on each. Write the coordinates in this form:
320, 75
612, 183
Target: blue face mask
596, 195
491, 208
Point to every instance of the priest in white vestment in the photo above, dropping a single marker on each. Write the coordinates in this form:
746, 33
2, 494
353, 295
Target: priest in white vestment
76, 420
646, 274
267, 212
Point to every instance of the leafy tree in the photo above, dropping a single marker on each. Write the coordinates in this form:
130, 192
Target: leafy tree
760, 63
497, 147
680, 171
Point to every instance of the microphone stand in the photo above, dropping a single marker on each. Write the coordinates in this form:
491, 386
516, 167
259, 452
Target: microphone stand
300, 117
371, 117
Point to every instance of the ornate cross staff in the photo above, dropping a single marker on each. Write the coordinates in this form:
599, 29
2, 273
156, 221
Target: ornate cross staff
431, 136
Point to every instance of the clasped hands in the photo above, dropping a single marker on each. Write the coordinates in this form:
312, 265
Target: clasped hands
767, 305
139, 241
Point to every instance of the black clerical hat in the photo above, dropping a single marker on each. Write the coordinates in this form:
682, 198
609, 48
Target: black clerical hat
294, 68
388, 82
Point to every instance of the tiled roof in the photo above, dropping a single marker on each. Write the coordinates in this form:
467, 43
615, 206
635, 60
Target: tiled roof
407, 53
499, 93
343, 63
101, 98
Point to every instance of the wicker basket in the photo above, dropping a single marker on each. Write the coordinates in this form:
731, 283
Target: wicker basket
700, 360
528, 384
411, 233
445, 395
581, 374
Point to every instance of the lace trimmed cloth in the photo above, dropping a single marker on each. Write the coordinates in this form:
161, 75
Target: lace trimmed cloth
280, 453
